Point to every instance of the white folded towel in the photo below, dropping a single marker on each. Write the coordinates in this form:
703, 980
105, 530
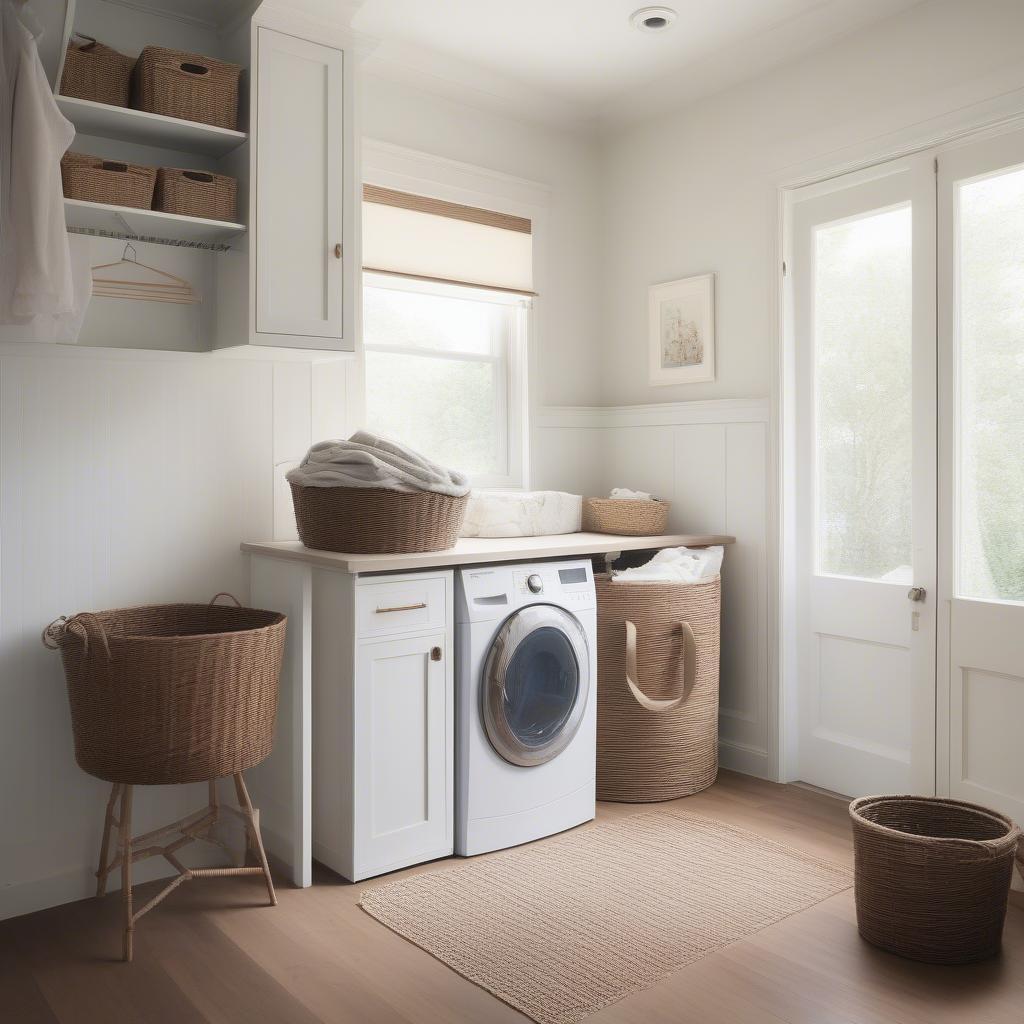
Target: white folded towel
521, 514
675, 565
625, 494
365, 460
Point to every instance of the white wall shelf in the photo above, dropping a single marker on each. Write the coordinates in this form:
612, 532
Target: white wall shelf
149, 225
125, 124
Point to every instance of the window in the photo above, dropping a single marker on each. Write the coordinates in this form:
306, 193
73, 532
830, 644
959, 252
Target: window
444, 371
446, 311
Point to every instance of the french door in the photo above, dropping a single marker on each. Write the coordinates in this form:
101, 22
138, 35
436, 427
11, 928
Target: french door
907, 399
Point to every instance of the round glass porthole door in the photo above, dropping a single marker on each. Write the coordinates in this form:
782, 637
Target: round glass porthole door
535, 684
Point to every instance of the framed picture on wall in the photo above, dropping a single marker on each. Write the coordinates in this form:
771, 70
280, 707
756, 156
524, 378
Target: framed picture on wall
681, 330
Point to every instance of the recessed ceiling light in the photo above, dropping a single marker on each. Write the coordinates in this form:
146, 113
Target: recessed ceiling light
652, 19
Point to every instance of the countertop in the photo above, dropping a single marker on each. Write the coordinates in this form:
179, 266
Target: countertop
480, 551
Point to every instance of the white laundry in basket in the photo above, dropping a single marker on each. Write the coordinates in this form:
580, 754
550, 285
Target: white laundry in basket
675, 565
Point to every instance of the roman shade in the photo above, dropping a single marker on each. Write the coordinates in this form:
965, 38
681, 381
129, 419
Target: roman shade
431, 239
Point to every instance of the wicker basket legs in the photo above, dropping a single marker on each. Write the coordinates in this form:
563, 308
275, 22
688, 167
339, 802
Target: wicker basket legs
192, 827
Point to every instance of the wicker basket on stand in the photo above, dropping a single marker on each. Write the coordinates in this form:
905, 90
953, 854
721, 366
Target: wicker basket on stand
657, 692
187, 85
375, 520
933, 876
167, 694
95, 180
626, 516
195, 193
95, 72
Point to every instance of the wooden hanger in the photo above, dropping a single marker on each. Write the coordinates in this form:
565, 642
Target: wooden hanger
166, 288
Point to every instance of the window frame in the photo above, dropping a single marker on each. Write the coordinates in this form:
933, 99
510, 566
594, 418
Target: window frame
512, 413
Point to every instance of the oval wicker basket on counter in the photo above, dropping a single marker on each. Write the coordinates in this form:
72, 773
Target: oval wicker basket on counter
657, 689
93, 71
932, 876
626, 516
374, 520
173, 693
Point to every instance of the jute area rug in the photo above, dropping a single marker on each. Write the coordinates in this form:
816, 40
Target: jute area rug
565, 926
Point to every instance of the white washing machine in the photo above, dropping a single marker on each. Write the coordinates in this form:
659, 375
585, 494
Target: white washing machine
525, 702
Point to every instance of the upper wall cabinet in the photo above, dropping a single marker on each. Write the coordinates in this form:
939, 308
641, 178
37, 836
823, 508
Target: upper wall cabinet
280, 272
299, 214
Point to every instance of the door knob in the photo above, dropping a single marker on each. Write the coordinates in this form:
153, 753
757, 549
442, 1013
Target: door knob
435, 653
917, 593
338, 251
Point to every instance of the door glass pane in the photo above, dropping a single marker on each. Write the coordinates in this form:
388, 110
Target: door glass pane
991, 381
540, 688
862, 354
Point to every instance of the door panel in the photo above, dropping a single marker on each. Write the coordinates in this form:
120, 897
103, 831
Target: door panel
299, 175
865, 490
403, 715
981, 268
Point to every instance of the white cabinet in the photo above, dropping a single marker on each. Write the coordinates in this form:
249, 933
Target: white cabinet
298, 220
403, 753
383, 719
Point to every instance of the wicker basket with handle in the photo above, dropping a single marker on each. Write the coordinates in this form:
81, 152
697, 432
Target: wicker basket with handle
657, 692
933, 876
174, 693
186, 85
627, 516
195, 193
93, 71
96, 180
376, 520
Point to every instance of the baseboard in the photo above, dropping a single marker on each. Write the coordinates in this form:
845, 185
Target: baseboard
745, 760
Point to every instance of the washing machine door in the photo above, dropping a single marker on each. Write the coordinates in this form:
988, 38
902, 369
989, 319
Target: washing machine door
535, 684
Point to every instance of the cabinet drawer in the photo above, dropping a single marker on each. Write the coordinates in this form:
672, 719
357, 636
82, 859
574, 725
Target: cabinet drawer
400, 606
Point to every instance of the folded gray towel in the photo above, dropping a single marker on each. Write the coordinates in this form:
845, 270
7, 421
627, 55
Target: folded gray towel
365, 460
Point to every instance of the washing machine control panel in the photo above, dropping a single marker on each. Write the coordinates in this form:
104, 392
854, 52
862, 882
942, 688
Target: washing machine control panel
535, 583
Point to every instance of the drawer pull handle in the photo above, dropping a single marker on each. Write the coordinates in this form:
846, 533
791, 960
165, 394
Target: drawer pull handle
402, 608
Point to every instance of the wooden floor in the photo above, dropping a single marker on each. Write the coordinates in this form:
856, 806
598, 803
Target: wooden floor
213, 953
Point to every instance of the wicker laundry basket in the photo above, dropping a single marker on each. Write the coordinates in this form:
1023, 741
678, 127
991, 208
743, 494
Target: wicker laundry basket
657, 688
932, 876
195, 193
374, 520
172, 693
96, 180
187, 85
95, 72
629, 517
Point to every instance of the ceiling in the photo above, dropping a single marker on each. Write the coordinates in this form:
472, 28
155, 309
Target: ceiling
582, 59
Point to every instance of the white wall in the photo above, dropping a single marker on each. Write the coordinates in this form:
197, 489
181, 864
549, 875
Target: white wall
695, 191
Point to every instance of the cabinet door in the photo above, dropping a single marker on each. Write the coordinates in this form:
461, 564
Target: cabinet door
403, 756
299, 191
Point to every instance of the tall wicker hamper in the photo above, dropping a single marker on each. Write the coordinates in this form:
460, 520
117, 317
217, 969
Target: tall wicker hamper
657, 688
169, 694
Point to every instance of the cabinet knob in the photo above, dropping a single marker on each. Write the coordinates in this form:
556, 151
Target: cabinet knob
338, 251
435, 653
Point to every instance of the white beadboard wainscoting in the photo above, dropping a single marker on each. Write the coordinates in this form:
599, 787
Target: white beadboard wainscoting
128, 478
711, 460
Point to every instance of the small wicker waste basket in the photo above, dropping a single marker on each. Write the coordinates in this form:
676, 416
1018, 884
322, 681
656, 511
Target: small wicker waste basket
168, 694
657, 690
932, 876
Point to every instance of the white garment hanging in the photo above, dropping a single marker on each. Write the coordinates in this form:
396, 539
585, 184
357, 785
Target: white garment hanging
35, 263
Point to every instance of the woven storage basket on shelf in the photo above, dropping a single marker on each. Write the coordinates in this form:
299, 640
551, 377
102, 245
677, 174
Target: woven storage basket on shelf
107, 181
172, 693
657, 688
631, 518
932, 876
374, 520
95, 72
195, 193
186, 85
